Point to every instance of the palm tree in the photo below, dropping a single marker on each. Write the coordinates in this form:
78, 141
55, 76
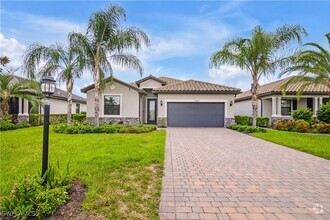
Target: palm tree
64, 61
258, 55
11, 88
104, 45
3, 61
313, 67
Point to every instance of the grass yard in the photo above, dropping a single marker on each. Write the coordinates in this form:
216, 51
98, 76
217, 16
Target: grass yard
316, 144
121, 171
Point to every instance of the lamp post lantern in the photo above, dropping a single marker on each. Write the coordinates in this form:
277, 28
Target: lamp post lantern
48, 86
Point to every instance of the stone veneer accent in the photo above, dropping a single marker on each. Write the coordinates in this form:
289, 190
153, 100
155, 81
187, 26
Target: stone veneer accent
106, 120
162, 122
22, 118
273, 120
229, 121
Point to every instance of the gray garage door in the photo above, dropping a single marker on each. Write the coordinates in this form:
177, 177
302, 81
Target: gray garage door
192, 114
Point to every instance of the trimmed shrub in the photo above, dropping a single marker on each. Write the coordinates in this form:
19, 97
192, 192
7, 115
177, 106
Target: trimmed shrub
79, 117
301, 126
110, 128
262, 122
243, 120
302, 114
323, 113
58, 118
36, 119
289, 125
10, 126
246, 128
279, 125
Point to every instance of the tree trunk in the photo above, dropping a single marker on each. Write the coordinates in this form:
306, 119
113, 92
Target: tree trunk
69, 87
254, 91
4, 107
97, 95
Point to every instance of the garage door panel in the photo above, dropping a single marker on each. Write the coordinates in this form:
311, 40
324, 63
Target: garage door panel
186, 114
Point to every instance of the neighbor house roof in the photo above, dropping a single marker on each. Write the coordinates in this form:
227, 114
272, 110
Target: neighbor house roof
194, 86
59, 93
129, 85
275, 88
169, 80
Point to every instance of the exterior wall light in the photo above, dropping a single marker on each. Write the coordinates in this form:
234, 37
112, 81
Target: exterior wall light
161, 102
231, 103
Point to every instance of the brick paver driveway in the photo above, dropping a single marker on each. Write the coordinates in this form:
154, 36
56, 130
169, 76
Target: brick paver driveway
214, 173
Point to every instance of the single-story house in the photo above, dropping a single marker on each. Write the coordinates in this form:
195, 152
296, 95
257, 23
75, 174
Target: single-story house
20, 108
164, 101
273, 104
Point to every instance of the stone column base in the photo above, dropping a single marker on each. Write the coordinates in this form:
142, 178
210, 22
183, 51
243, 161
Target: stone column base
162, 122
22, 118
106, 120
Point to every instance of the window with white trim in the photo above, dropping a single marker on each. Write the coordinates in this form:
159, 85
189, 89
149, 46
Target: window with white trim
111, 105
286, 106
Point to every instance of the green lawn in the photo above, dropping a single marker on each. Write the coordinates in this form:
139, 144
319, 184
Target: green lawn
316, 144
122, 171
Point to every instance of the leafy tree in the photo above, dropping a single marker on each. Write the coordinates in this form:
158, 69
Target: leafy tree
105, 44
313, 67
259, 55
64, 61
10, 87
3, 61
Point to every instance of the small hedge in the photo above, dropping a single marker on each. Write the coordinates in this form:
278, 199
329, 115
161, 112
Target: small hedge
110, 128
4, 126
38, 119
247, 120
246, 128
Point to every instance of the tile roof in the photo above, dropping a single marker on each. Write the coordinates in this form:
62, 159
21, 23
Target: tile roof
194, 86
275, 87
59, 93
169, 80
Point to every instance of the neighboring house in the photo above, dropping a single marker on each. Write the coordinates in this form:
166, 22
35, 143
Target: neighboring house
273, 104
164, 101
21, 108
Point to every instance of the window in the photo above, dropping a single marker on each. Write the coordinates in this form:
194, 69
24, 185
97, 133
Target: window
286, 106
112, 105
77, 108
310, 104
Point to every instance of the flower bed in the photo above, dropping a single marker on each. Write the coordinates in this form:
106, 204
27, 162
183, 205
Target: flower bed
302, 126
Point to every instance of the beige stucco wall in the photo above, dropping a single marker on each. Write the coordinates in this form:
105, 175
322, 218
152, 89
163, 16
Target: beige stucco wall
226, 98
129, 103
60, 107
267, 107
150, 84
245, 108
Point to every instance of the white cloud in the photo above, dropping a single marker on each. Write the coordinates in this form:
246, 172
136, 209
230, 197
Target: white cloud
13, 49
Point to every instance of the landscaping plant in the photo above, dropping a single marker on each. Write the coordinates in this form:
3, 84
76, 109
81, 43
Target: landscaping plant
323, 113
302, 113
246, 128
37, 196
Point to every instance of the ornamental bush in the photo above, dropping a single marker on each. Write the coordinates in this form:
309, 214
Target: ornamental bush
301, 126
243, 120
302, 113
37, 196
79, 117
262, 122
10, 126
321, 128
323, 113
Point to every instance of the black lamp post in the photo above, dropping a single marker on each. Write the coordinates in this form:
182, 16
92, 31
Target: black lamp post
48, 85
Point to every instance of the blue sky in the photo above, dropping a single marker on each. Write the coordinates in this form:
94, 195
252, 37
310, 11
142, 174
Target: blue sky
183, 33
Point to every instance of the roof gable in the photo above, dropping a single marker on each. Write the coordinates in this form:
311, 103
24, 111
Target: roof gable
152, 78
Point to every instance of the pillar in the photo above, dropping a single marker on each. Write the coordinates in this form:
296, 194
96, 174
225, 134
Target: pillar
316, 105
279, 112
20, 106
273, 106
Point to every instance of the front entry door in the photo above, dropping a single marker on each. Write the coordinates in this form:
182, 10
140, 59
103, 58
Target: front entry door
152, 111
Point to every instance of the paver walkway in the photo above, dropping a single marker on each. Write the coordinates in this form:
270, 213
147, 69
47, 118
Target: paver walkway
217, 173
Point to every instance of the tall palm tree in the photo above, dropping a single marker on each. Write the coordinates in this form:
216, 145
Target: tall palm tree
11, 88
313, 67
66, 62
105, 44
258, 55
